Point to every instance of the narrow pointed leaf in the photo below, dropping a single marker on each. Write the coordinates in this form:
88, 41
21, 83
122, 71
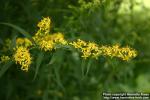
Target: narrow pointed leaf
19, 29
5, 67
38, 63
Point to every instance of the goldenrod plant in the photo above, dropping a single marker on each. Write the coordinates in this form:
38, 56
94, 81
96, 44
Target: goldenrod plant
47, 42
73, 49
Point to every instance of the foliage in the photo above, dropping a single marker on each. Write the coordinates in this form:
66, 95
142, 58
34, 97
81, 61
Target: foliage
74, 54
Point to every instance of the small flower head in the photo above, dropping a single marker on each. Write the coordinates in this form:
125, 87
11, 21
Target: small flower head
46, 45
44, 26
88, 49
58, 38
127, 53
94, 49
23, 42
79, 44
5, 58
111, 51
91, 49
22, 57
48, 42
124, 53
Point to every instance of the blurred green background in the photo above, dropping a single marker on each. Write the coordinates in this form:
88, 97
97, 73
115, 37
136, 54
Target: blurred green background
105, 22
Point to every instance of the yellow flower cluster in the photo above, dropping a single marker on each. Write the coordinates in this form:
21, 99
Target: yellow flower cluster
88, 49
125, 53
58, 38
5, 58
44, 25
45, 44
23, 42
42, 38
47, 41
22, 57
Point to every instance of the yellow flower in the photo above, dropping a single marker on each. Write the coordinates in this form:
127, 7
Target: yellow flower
48, 42
58, 38
91, 49
78, 44
27, 42
124, 53
127, 53
44, 42
5, 58
44, 26
94, 48
46, 45
19, 41
22, 57
88, 49
23, 42
111, 51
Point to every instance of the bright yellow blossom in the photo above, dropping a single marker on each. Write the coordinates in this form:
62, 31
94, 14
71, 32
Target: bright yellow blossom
94, 49
46, 45
78, 44
5, 58
125, 53
44, 42
48, 42
91, 49
23, 42
88, 49
44, 25
22, 57
58, 38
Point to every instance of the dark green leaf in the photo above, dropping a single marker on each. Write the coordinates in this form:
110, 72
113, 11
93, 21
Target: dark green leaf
88, 66
38, 63
13, 42
19, 29
5, 67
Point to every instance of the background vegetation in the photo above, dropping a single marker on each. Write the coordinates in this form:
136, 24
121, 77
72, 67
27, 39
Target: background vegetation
60, 73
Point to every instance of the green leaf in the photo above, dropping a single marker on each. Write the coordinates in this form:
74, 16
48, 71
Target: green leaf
19, 29
13, 42
38, 63
52, 60
58, 79
83, 67
88, 66
5, 67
